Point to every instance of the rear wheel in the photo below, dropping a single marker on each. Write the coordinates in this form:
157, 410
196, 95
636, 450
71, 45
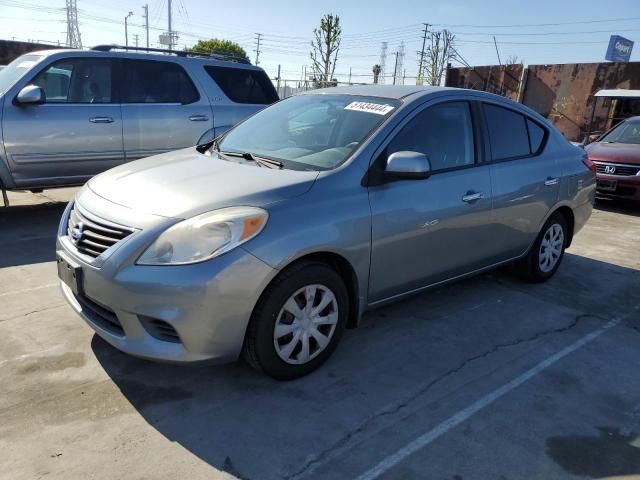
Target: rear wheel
547, 252
298, 321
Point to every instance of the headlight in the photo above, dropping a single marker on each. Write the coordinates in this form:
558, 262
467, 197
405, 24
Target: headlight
205, 236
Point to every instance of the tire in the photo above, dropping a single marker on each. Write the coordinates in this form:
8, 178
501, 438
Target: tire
271, 352
542, 261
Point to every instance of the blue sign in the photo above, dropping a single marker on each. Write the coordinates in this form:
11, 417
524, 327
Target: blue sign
619, 49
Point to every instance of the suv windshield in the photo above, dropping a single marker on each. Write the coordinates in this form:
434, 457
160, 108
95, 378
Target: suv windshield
309, 132
627, 132
16, 69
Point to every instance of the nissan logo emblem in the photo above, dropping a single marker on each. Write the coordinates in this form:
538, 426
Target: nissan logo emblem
76, 232
610, 169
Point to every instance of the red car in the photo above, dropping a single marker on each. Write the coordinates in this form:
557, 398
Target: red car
617, 158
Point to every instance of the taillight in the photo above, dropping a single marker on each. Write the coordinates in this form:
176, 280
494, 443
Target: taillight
589, 164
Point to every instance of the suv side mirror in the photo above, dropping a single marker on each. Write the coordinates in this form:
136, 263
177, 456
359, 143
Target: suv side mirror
592, 138
31, 95
408, 165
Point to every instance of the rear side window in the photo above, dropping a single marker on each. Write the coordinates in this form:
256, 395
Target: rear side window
76, 80
507, 133
242, 85
149, 81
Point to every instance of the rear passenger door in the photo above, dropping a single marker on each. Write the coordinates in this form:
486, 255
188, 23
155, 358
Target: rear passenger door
246, 90
162, 109
525, 180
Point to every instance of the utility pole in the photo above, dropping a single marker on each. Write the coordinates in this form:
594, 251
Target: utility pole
349, 75
257, 49
497, 52
169, 25
135, 38
146, 21
421, 53
278, 79
126, 29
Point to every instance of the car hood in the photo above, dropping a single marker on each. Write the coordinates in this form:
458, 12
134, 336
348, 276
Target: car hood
614, 152
184, 183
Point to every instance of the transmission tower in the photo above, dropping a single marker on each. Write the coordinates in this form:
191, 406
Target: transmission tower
383, 61
73, 31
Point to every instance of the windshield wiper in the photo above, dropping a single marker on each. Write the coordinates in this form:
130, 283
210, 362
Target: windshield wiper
262, 161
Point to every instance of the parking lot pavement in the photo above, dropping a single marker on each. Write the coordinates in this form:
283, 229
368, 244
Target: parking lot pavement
488, 378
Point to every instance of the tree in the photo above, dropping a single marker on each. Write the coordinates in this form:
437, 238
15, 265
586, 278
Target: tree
513, 60
222, 47
439, 53
377, 69
324, 49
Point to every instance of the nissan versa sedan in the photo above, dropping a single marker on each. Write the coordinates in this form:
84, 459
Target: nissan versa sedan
270, 241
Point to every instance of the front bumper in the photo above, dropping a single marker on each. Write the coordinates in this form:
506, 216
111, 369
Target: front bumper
207, 305
627, 187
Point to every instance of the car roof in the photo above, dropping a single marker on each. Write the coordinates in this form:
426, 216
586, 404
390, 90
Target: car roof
383, 91
632, 119
143, 56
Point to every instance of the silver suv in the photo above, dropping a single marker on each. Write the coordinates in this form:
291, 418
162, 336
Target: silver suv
70, 114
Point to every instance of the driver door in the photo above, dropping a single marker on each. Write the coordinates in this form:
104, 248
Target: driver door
75, 134
425, 231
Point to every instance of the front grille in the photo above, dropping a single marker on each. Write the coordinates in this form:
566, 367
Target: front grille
92, 236
101, 316
620, 170
160, 329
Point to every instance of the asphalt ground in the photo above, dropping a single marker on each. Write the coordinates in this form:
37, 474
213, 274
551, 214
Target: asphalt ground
489, 378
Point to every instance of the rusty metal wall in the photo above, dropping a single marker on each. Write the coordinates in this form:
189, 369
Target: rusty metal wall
501, 80
563, 93
10, 50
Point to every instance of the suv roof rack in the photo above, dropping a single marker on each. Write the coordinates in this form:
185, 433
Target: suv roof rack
179, 53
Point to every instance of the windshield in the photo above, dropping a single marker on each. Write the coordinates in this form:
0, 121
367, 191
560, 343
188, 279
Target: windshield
309, 132
626, 132
16, 69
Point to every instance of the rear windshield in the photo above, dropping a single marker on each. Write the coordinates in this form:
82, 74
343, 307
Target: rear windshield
16, 70
242, 85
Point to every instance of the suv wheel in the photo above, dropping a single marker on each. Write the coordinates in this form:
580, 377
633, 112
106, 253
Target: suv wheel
545, 256
298, 321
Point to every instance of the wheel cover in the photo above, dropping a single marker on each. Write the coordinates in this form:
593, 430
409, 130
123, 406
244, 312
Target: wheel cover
305, 325
551, 248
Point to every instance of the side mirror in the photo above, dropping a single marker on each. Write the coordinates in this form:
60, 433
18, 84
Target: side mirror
31, 95
408, 165
592, 138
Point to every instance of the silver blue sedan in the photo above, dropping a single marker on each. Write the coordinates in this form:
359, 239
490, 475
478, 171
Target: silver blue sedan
271, 240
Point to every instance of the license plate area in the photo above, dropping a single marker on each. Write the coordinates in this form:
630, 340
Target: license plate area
69, 271
607, 185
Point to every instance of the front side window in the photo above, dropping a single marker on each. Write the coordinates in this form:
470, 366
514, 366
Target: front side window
444, 133
310, 132
625, 132
77, 80
150, 81
243, 85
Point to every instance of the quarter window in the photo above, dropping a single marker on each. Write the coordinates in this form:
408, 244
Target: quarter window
536, 136
444, 133
79, 80
243, 85
150, 81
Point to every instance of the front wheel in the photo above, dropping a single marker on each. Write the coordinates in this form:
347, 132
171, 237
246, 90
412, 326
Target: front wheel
298, 321
547, 252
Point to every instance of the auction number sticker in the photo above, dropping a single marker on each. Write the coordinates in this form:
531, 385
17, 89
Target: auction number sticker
377, 108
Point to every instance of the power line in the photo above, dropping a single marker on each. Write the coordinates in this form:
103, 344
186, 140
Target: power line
539, 24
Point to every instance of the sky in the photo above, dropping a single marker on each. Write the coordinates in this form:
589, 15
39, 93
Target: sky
537, 32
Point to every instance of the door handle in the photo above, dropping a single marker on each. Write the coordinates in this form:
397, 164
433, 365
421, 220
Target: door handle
198, 118
472, 197
551, 181
101, 120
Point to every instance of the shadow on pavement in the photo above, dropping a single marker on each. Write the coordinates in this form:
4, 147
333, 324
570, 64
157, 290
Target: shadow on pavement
618, 206
28, 233
242, 422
